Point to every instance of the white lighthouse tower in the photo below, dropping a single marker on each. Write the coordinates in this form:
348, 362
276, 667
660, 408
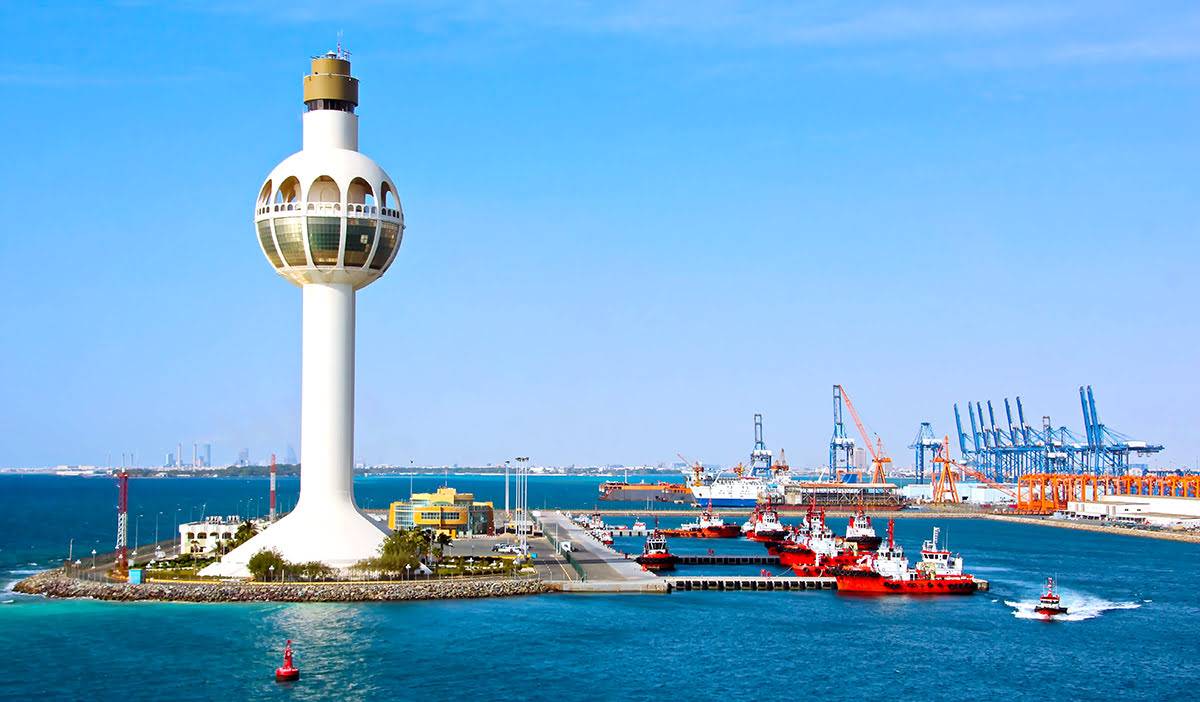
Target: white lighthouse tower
329, 221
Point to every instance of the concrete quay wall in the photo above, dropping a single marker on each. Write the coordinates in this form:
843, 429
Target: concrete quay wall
1084, 526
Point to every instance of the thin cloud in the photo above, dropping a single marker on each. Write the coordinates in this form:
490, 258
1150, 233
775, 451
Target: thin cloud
970, 35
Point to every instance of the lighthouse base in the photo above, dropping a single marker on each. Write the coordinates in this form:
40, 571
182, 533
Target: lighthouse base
338, 536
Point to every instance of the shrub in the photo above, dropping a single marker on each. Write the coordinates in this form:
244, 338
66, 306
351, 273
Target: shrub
261, 562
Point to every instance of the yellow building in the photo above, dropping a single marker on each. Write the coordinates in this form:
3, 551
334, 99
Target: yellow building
446, 512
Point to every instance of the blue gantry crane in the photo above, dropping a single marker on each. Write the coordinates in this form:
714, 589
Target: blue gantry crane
760, 456
1004, 454
925, 442
841, 446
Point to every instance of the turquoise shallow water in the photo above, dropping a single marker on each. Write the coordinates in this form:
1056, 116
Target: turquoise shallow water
1133, 634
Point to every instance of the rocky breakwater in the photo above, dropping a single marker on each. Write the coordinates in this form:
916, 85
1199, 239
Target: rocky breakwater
56, 583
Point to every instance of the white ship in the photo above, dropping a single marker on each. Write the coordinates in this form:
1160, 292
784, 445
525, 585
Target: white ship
736, 492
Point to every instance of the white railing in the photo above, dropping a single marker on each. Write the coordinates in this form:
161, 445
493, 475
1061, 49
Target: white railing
353, 209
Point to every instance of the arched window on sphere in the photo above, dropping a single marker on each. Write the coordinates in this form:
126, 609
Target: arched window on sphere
289, 230
324, 222
360, 223
263, 226
389, 232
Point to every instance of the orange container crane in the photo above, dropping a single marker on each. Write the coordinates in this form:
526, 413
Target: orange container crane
697, 469
780, 466
879, 455
944, 485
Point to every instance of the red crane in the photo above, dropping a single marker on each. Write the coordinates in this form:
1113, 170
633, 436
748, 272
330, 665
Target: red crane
879, 455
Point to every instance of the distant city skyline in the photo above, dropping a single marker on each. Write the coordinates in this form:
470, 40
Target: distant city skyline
631, 226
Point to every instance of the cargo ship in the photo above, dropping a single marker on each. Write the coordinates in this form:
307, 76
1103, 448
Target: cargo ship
874, 497
661, 491
887, 571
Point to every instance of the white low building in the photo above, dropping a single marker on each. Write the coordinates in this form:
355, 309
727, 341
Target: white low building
1167, 512
972, 493
203, 537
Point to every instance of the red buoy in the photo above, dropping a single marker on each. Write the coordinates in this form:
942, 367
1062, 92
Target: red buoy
287, 671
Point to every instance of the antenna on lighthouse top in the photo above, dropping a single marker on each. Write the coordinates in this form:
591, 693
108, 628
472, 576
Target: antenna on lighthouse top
341, 53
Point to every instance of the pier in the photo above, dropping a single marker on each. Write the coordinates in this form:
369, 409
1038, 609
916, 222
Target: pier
601, 569
716, 559
747, 582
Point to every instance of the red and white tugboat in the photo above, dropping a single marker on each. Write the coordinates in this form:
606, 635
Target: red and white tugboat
862, 533
764, 525
655, 555
815, 551
887, 572
287, 671
938, 560
709, 526
1050, 605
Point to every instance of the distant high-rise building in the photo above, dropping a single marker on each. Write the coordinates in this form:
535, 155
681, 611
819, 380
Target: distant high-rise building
206, 455
291, 455
244, 457
861, 460
170, 460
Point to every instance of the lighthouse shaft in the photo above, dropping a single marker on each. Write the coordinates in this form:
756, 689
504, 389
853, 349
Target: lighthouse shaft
330, 129
327, 397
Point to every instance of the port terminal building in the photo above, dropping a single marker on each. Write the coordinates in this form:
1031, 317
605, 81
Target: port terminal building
842, 495
446, 511
1147, 510
971, 493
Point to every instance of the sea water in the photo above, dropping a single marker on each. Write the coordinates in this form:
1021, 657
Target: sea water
1133, 632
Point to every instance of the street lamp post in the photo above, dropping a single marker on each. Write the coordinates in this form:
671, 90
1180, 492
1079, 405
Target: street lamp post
156, 529
93, 558
272, 569
408, 571
522, 494
137, 528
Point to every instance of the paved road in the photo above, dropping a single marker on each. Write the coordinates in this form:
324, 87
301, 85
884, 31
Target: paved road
550, 565
599, 562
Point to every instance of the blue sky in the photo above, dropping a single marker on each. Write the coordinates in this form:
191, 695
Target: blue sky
631, 225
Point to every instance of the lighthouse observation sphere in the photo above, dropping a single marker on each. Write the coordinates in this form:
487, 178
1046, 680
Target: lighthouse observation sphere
329, 216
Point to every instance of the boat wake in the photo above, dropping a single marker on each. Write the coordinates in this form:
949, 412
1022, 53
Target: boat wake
1080, 607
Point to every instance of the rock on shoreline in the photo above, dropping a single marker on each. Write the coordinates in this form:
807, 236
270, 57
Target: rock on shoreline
55, 583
